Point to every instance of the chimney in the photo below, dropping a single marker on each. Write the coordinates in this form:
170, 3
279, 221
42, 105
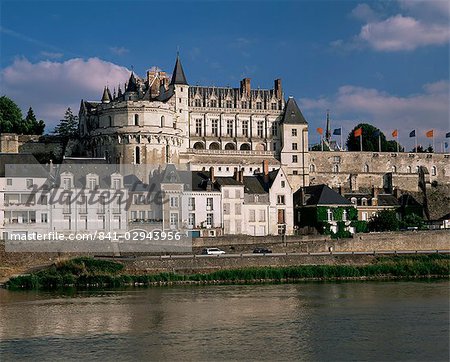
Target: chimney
266, 171
241, 176
278, 89
245, 86
235, 174
211, 175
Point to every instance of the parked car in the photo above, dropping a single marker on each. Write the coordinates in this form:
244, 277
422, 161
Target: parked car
212, 251
262, 251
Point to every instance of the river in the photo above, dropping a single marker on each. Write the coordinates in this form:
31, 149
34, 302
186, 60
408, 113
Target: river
307, 321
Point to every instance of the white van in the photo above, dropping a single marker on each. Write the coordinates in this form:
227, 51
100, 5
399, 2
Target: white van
212, 251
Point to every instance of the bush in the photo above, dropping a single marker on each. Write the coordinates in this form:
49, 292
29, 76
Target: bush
386, 220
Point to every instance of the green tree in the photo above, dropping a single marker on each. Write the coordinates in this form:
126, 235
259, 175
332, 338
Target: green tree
385, 220
31, 125
413, 220
10, 116
11, 119
370, 140
68, 127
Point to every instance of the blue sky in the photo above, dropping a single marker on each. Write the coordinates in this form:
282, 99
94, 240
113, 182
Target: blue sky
383, 62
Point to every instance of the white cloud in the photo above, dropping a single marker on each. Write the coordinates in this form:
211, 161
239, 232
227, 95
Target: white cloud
50, 86
419, 23
51, 55
118, 50
403, 33
426, 110
364, 12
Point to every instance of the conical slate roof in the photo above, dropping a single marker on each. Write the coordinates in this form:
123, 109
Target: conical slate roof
292, 114
178, 76
106, 96
132, 84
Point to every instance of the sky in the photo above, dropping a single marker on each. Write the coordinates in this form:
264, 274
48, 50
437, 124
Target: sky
380, 62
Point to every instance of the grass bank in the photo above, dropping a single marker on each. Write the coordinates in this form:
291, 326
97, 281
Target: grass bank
88, 272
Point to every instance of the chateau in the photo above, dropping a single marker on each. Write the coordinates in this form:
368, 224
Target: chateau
244, 153
158, 120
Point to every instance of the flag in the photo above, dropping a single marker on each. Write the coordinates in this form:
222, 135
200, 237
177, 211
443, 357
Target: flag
446, 144
412, 133
337, 131
358, 132
320, 131
429, 134
395, 133
447, 135
376, 133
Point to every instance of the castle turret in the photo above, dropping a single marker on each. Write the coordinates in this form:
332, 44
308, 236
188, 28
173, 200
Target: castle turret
106, 98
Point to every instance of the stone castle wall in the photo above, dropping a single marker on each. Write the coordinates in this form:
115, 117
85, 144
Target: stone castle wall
364, 170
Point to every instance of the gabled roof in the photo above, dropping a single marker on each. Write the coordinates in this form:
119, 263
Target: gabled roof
178, 76
292, 114
322, 195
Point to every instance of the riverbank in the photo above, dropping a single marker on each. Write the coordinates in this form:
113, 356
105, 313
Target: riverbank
88, 272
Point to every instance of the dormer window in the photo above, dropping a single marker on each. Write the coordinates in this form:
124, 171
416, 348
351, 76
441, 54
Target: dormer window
67, 183
258, 105
92, 183
213, 103
136, 119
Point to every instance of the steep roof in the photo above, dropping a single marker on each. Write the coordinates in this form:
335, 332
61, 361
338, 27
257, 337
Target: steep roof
292, 114
322, 195
106, 95
178, 76
30, 167
132, 84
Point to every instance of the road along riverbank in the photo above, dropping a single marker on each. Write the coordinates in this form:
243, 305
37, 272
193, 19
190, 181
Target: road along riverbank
88, 272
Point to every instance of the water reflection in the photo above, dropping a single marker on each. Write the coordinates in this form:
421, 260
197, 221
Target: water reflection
299, 321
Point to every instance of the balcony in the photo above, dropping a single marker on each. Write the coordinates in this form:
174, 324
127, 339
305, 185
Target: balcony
231, 152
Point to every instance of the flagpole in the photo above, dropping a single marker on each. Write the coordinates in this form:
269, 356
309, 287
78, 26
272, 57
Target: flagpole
397, 143
415, 139
379, 142
360, 141
433, 143
342, 145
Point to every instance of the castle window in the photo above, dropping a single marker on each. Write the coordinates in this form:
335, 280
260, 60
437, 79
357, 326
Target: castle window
364, 201
329, 215
408, 169
110, 121
295, 172
258, 105
335, 168
417, 169
260, 129
230, 128
245, 128
294, 158
294, 132
198, 127
229, 104
366, 168
137, 155
198, 103
353, 200
215, 127
294, 146
213, 103
244, 105
394, 169
274, 129
273, 106
136, 119
312, 168
162, 121
433, 171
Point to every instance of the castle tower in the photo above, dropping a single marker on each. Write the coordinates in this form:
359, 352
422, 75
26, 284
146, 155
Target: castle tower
179, 86
294, 155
